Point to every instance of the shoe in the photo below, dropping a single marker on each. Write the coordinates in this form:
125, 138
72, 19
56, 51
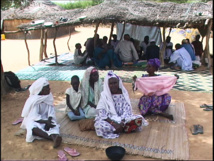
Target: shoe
208, 109
194, 129
72, 152
62, 156
200, 129
18, 121
205, 105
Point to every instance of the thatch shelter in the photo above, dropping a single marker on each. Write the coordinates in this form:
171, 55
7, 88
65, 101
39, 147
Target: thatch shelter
145, 13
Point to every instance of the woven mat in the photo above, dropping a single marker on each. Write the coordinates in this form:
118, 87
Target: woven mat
162, 139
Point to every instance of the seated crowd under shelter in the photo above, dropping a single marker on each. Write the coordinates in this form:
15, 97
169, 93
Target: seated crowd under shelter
113, 54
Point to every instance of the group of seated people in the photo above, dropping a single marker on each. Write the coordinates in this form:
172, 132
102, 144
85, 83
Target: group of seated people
107, 103
106, 55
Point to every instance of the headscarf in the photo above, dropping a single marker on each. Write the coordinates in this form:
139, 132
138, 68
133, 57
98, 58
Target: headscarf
106, 101
35, 98
85, 87
154, 62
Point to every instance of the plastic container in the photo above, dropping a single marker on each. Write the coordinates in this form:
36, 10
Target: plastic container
2, 36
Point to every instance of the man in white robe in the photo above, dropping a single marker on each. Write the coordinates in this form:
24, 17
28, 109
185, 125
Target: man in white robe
181, 58
39, 115
126, 50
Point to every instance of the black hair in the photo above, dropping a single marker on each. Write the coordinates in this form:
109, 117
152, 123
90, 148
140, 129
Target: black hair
74, 77
77, 44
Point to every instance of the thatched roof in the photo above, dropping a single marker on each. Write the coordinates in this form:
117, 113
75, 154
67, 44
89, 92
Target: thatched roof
144, 13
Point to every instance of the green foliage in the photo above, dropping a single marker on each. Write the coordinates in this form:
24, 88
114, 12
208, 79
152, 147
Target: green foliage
179, 1
79, 4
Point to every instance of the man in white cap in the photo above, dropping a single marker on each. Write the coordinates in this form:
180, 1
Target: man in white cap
39, 115
152, 51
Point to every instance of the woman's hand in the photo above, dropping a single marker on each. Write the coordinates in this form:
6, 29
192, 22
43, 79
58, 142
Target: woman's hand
134, 78
118, 127
49, 124
151, 94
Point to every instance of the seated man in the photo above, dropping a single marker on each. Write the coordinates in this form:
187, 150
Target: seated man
39, 115
114, 42
181, 58
152, 51
168, 50
126, 50
189, 49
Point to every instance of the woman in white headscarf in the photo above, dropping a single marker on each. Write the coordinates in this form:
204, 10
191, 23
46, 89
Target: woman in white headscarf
91, 87
39, 115
114, 110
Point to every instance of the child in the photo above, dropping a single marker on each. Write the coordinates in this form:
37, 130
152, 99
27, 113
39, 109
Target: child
39, 115
73, 99
79, 57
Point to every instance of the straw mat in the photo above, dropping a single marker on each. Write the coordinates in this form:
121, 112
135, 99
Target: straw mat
162, 139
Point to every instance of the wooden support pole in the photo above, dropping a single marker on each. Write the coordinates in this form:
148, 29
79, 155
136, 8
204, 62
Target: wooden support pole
206, 50
95, 33
161, 55
69, 39
41, 45
45, 45
170, 31
111, 32
55, 51
124, 26
28, 51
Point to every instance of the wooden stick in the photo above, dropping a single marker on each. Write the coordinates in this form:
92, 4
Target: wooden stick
206, 51
124, 26
41, 45
161, 55
55, 45
45, 45
170, 31
112, 28
69, 38
28, 51
95, 32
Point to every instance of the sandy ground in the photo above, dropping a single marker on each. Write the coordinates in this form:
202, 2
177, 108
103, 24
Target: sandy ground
14, 58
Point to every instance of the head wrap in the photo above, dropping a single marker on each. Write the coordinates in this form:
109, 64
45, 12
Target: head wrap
106, 101
94, 70
85, 87
35, 98
154, 62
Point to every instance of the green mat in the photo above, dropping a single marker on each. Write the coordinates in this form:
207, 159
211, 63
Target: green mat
188, 81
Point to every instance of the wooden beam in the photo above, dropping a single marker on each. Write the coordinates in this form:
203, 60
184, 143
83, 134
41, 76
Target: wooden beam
162, 51
45, 45
95, 32
41, 45
28, 52
112, 28
206, 51
124, 26
55, 51
69, 38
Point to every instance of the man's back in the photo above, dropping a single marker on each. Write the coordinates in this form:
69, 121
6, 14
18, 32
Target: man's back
126, 51
152, 51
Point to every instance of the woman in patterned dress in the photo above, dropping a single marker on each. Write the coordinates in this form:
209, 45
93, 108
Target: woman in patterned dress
114, 110
151, 103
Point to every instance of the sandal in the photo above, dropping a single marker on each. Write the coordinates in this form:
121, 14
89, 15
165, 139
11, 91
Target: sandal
71, 152
206, 105
208, 109
18, 121
62, 156
200, 129
194, 129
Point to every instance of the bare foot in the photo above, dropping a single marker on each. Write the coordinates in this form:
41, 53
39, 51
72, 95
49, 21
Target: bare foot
57, 141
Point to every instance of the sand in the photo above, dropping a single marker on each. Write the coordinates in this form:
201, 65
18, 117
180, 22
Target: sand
14, 58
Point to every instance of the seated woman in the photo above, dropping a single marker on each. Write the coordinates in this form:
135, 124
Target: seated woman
91, 87
155, 102
114, 110
105, 57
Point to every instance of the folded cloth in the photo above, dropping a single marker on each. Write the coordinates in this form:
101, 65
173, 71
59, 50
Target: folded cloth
158, 85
